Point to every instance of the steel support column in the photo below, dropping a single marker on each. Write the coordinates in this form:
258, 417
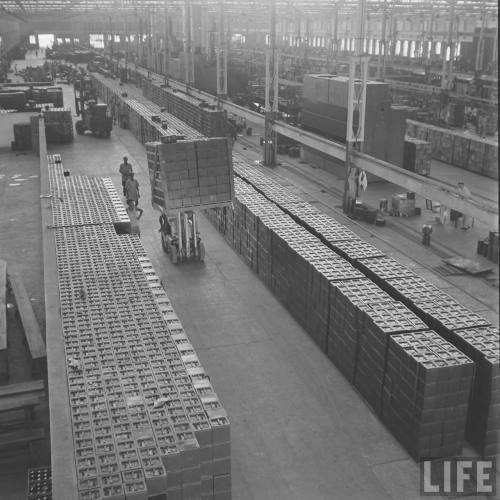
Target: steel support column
272, 86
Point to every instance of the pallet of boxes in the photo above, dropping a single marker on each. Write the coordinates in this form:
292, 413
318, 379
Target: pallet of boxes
58, 125
187, 176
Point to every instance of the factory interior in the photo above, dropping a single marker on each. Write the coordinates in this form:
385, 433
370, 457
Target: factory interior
249, 250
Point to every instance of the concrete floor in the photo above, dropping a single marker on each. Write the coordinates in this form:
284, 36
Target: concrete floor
299, 430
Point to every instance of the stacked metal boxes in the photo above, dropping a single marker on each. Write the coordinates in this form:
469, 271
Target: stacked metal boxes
195, 112
426, 394
417, 156
348, 325
236, 225
22, 137
347, 315
39, 484
467, 152
201, 170
146, 120
482, 345
348, 302
190, 174
58, 125
146, 420
378, 323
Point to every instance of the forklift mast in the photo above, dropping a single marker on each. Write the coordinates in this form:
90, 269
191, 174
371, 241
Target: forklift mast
84, 92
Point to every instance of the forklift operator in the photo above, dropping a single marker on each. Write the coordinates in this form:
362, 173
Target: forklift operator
126, 171
165, 227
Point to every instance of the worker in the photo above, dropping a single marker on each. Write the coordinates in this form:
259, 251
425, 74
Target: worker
133, 195
482, 121
464, 192
126, 171
426, 235
165, 227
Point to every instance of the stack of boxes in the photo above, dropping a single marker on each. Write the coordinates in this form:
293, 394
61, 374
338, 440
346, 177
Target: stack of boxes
146, 121
470, 153
417, 156
359, 333
22, 137
58, 125
402, 205
482, 345
325, 99
348, 301
277, 216
426, 393
205, 118
39, 484
189, 174
146, 420
79, 200
377, 324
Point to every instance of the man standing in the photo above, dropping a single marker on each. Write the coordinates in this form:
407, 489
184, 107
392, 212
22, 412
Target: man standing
126, 171
132, 194
464, 192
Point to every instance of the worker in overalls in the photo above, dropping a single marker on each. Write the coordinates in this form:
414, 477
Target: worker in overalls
133, 195
126, 171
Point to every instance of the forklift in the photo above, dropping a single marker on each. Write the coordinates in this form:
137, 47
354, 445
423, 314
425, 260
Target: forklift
180, 238
95, 116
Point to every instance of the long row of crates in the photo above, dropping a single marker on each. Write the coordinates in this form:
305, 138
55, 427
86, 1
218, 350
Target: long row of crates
467, 152
207, 120
195, 112
146, 120
146, 420
436, 309
368, 335
267, 240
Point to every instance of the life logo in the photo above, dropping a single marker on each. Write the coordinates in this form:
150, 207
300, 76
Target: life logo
464, 476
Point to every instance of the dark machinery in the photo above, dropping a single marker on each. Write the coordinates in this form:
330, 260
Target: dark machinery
180, 238
95, 116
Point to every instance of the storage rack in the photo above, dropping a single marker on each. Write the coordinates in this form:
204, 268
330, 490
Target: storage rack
438, 310
145, 418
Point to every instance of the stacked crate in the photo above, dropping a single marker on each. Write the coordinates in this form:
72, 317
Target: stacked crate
189, 174
275, 237
470, 153
437, 309
402, 205
147, 121
426, 393
146, 420
58, 125
347, 302
377, 323
22, 137
35, 134
449, 315
411, 289
482, 345
203, 117
80, 200
417, 156
382, 268
39, 484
